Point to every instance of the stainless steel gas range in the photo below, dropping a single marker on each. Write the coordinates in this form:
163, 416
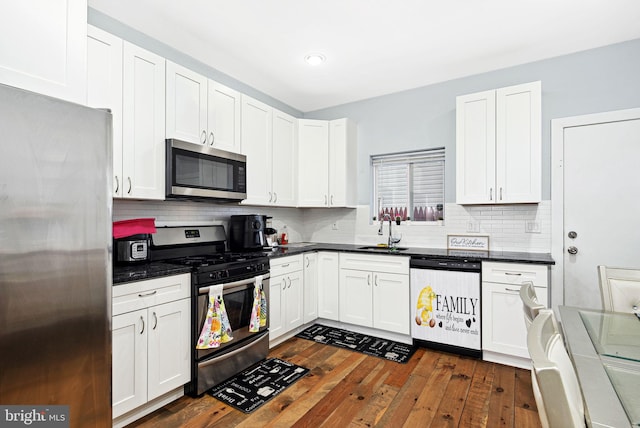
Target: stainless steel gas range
203, 249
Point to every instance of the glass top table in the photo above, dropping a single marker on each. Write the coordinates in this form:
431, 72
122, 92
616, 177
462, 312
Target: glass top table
616, 339
613, 334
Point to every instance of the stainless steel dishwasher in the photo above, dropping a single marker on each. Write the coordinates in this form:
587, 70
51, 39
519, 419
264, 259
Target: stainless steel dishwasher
445, 304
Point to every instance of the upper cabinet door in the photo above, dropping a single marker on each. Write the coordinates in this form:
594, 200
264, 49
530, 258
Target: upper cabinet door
143, 123
475, 148
284, 165
104, 88
518, 143
223, 117
186, 104
313, 163
342, 163
498, 146
44, 47
256, 145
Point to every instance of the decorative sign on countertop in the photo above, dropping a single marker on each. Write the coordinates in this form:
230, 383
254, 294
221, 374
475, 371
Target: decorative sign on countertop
468, 242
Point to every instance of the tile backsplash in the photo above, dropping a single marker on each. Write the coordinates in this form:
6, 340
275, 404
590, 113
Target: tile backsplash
523, 227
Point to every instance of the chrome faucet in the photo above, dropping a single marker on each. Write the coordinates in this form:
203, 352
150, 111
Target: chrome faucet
382, 219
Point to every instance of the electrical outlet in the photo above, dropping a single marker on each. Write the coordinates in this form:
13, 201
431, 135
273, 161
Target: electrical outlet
473, 226
334, 226
532, 227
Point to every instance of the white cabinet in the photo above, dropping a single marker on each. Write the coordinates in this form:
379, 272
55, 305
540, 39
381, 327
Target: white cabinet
44, 47
310, 306
285, 295
327, 163
498, 146
374, 291
200, 110
504, 334
328, 288
269, 142
143, 124
151, 332
104, 89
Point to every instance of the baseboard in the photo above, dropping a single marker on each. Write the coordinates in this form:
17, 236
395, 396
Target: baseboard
147, 408
509, 360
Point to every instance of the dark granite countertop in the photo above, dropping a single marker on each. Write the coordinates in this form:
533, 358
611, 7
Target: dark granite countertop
139, 272
489, 256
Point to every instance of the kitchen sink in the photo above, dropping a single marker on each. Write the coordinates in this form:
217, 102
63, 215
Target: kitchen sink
383, 249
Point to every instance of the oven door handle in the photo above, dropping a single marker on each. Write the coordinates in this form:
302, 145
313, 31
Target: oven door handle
230, 285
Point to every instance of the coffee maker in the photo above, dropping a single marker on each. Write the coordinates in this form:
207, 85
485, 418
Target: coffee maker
246, 232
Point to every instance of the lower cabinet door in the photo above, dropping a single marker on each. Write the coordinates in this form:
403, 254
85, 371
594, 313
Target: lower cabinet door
310, 292
129, 361
169, 347
293, 302
391, 302
276, 293
328, 288
503, 327
356, 297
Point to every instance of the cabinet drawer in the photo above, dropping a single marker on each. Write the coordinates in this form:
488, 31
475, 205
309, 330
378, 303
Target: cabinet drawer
515, 273
377, 263
282, 265
143, 294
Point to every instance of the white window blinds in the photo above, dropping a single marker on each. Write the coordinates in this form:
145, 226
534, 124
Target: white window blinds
409, 185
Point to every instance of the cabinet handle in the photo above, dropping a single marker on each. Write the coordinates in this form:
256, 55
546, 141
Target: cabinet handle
142, 319
270, 196
368, 279
155, 318
148, 294
331, 199
511, 289
289, 286
117, 185
287, 265
501, 193
375, 280
513, 273
284, 283
212, 138
204, 137
325, 199
491, 193
307, 262
129, 191
275, 197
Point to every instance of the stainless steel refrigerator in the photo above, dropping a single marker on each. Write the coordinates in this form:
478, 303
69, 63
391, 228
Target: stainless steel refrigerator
55, 256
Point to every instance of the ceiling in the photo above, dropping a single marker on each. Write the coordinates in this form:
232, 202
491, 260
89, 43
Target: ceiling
372, 47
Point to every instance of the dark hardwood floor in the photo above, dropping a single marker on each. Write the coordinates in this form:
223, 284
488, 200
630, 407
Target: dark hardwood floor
348, 389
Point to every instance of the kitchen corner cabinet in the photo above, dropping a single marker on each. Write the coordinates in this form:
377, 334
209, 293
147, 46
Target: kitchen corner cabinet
44, 47
498, 146
328, 285
269, 142
104, 89
504, 334
327, 153
200, 110
285, 295
310, 281
143, 124
151, 331
374, 291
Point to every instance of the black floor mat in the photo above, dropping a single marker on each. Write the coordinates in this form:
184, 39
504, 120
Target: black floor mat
370, 345
258, 384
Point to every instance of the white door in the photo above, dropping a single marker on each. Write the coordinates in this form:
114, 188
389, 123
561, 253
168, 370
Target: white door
293, 302
596, 194
328, 291
256, 145
284, 171
276, 318
313, 163
310, 292
186, 104
223, 120
356, 298
391, 302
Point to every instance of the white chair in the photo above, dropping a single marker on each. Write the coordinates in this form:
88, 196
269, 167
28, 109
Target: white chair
530, 305
555, 384
620, 289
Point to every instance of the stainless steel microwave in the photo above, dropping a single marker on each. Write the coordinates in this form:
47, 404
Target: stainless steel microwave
199, 172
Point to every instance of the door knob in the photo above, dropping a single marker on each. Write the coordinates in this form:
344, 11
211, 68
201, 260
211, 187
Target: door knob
572, 250
573, 235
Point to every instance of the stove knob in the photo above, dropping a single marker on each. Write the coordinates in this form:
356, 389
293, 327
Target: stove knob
211, 275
